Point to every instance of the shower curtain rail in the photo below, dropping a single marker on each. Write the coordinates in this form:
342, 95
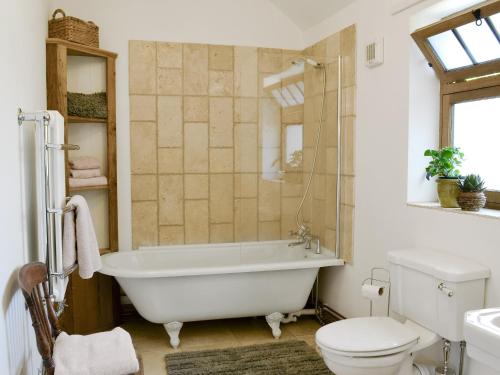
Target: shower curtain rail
51, 214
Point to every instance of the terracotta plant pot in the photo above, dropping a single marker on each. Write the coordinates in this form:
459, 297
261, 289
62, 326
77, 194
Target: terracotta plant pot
448, 192
471, 201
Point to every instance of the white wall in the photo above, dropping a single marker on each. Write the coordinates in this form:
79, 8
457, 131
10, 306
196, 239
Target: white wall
397, 118
243, 22
22, 84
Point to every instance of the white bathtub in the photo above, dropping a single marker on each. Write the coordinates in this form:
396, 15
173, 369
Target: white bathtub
175, 284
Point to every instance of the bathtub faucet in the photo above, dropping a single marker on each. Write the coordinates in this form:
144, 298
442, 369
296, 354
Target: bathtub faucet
303, 235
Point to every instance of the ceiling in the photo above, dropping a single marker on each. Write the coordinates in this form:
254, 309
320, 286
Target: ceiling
307, 13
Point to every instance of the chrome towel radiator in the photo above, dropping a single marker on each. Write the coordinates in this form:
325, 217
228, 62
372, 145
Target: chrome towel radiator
51, 222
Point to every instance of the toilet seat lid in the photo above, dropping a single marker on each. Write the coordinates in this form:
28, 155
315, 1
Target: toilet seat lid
366, 336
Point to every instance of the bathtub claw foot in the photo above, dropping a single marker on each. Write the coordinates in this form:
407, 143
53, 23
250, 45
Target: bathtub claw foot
173, 329
274, 321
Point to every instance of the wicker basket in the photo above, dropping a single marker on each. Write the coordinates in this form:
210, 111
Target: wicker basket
73, 29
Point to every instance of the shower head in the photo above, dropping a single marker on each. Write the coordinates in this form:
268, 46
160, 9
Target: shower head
307, 60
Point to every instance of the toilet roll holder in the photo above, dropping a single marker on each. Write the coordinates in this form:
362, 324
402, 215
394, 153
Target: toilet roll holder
386, 284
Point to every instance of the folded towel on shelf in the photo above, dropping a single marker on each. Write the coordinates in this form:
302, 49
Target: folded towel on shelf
103, 353
84, 162
79, 239
85, 173
86, 182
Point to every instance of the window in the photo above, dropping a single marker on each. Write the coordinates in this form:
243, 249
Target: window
464, 51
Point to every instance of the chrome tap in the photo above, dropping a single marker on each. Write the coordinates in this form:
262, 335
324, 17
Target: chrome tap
303, 235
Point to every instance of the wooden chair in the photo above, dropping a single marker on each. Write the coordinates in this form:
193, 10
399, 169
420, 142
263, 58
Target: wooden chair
33, 281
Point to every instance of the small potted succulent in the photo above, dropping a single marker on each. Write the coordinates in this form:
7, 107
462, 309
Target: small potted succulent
444, 165
471, 196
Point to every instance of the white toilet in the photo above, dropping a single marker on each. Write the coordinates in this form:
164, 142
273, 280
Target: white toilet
432, 290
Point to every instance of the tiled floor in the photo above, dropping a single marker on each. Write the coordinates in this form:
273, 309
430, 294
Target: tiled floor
151, 340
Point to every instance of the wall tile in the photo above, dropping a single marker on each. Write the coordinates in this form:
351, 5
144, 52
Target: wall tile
169, 55
171, 235
245, 219
143, 147
332, 48
329, 242
144, 224
196, 147
142, 67
246, 148
169, 81
220, 57
246, 110
221, 198
197, 230
347, 191
292, 189
346, 232
142, 108
245, 71
144, 187
170, 121
171, 194
269, 200
348, 145
289, 205
196, 186
349, 101
221, 122
270, 61
221, 233
245, 185
220, 83
195, 108
331, 160
221, 160
331, 201
269, 230
170, 160
195, 69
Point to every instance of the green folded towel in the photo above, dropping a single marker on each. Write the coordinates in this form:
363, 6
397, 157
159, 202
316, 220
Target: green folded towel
87, 105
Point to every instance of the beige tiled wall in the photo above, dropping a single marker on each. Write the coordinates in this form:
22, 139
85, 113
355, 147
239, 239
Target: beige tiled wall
320, 208
207, 143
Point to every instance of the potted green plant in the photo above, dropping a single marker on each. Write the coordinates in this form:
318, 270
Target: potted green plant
444, 165
471, 196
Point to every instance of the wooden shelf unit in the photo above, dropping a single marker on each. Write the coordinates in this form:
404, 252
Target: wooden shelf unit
86, 120
92, 304
88, 188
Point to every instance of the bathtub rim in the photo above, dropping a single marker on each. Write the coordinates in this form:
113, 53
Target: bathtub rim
326, 259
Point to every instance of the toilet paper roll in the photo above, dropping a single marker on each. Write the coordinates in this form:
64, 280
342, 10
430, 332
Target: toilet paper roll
372, 291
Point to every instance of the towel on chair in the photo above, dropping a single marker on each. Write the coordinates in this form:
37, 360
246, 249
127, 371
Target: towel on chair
79, 239
103, 353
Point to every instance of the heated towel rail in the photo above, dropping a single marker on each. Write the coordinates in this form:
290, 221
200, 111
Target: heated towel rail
53, 215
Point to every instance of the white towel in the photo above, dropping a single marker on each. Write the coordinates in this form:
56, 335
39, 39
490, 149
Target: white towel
79, 239
104, 353
85, 173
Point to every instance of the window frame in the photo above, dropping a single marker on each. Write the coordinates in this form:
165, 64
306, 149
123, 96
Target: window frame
421, 36
469, 91
456, 84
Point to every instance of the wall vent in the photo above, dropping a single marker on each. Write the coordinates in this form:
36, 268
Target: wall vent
374, 53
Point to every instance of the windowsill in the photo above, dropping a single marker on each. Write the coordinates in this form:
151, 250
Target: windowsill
484, 212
